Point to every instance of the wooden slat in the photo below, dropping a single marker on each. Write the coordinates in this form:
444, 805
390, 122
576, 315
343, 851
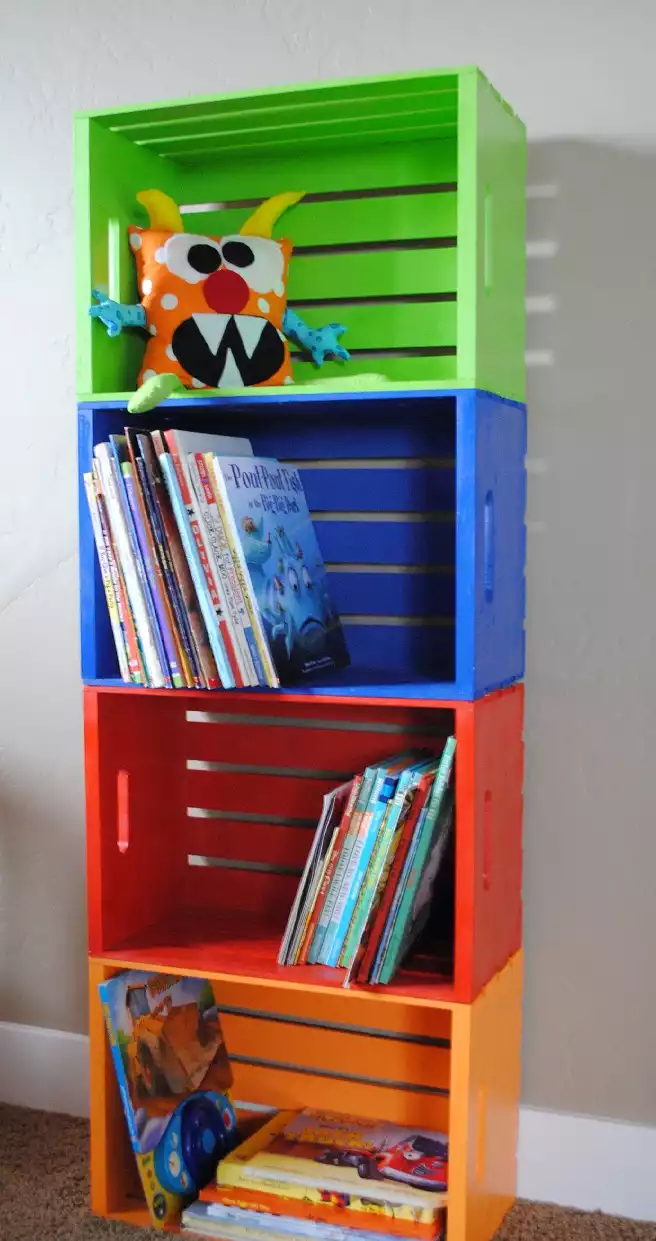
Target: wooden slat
301, 139
410, 163
298, 747
400, 218
356, 1054
251, 893
393, 370
252, 842
286, 1089
429, 651
373, 273
280, 795
420, 489
401, 594
360, 429
379, 542
403, 325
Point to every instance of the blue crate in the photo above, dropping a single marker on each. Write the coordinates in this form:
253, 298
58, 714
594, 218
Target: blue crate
418, 500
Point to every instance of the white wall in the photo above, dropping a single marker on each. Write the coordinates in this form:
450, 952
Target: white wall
581, 74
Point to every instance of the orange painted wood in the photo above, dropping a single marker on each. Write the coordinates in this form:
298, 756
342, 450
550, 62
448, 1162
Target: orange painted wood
485, 1091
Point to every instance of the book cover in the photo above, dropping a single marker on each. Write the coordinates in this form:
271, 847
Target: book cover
414, 799
395, 1163
200, 653
118, 511
135, 657
333, 806
425, 858
327, 1207
167, 1044
285, 567
316, 913
236, 599
216, 576
331, 882
107, 578
236, 1171
292, 1225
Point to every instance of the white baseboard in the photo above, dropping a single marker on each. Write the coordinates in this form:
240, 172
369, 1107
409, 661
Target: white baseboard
575, 1161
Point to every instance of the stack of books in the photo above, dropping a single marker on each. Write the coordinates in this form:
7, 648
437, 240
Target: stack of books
327, 1177
365, 893
210, 564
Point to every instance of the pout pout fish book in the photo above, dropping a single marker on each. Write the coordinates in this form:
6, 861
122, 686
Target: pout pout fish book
284, 566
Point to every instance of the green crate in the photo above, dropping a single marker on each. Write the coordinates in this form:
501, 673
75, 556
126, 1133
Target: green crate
412, 231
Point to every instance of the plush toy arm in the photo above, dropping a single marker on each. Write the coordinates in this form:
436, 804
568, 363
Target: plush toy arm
116, 315
317, 341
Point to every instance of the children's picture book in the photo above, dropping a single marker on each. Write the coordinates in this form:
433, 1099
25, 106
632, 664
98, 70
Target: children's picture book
373, 1158
239, 1221
167, 1044
317, 860
284, 565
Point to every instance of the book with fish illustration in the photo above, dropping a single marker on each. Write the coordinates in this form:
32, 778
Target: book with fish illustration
283, 566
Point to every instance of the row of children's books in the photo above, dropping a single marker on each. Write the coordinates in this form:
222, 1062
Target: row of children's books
365, 893
210, 564
285, 1174
327, 1177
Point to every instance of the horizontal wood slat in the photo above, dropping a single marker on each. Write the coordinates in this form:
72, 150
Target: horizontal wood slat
253, 842
252, 893
299, 747
338, 1052
392, 370
402, 594
379, 542
372, 273
280, 795
401, 325
429, 651
421, 489
401, 218
369, 433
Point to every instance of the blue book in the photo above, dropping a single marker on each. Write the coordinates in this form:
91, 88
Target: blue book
284, 566
197, 572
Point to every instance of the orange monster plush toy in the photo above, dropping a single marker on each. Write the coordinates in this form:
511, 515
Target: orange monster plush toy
215, 307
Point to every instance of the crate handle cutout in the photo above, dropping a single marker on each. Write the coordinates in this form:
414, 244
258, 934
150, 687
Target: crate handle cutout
487, 840
114, 259
488, 226
488, 547
123, 811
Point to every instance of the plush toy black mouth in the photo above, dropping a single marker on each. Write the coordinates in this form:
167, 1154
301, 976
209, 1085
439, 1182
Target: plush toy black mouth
228, 351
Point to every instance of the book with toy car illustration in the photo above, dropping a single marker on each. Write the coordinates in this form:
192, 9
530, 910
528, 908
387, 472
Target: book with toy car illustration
284, 566
373, 1158
167, 1045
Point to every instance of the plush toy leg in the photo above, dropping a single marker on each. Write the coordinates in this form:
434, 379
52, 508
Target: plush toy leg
153, 392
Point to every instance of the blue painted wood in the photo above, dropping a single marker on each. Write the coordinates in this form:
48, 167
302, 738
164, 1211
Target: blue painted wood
484, 545
394, 594
409, 490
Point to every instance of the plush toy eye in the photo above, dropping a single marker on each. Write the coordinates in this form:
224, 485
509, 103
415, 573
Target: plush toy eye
261, 259
292, 578
204, 258
305, 574
190, 257
237, 254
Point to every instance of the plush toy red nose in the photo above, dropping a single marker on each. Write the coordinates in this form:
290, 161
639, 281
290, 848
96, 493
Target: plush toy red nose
226, 291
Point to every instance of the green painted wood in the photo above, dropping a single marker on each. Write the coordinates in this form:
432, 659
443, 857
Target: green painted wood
399, 218
401, 325
380, 273
428, 370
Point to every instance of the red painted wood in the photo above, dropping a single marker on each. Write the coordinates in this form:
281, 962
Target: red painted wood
259, 894
253, 842
326, 749
286, 796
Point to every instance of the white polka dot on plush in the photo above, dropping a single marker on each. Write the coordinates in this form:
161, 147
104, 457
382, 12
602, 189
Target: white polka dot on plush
146, 286
279, 288
169, 301
148, 375
170, 354
152, 329
196, 383
135, 241
160, 254
263, 305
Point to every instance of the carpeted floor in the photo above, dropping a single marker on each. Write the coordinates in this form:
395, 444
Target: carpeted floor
43, 1193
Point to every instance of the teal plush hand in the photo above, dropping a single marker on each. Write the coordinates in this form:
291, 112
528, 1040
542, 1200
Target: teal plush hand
316, 341
114, 315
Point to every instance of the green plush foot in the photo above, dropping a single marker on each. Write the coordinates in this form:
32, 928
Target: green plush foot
153, 392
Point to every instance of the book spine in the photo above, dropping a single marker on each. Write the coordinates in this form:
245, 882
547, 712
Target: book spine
229, 623
109, 473
196, 568
135, 658
107, 578
381, 832
170, 588
307, 1203
301, 891
328, 894
328, 956
306, 913
363, 846
234, 591
234, 542
162, 629
203, 666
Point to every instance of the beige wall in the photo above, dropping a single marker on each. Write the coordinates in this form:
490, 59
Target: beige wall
581, 74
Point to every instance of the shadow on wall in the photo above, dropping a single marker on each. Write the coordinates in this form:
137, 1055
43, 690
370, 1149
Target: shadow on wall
590, 839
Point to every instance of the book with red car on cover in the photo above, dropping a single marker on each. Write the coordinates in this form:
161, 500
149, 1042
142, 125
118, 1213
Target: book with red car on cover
385, 1161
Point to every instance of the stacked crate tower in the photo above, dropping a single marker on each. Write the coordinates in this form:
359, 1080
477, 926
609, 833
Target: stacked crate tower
200, 806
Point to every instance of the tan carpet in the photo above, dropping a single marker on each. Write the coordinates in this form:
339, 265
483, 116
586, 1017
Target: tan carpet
43, 1193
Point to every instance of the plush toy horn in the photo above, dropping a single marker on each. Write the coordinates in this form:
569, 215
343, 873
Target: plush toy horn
261, 222
162, 211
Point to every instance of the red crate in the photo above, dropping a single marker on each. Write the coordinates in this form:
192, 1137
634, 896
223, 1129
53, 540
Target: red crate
200, 820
